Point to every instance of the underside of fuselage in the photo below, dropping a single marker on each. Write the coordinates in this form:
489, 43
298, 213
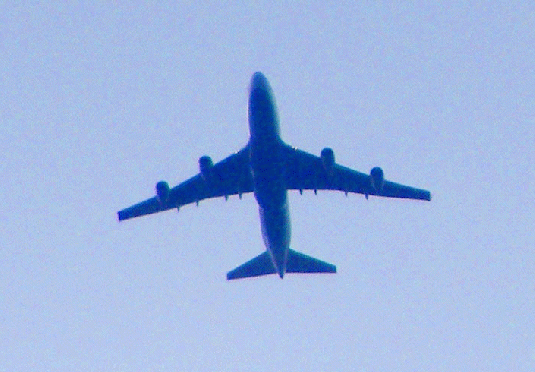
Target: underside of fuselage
267, 168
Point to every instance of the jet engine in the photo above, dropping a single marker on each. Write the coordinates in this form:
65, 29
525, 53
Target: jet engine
327, 158
377, 178
205, 165
162, 191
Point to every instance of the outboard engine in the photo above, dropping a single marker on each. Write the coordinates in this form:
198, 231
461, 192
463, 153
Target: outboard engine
327, 158
205, 165
162, 191
377, 179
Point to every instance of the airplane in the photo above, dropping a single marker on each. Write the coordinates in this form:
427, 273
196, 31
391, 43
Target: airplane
268, 167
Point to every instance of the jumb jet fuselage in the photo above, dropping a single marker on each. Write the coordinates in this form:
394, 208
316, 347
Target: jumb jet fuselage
268, 167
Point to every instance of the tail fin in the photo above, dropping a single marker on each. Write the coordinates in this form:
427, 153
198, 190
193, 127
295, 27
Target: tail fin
297, 263
260, 265
301, 263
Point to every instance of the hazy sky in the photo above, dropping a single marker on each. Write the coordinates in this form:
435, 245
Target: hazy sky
99, 102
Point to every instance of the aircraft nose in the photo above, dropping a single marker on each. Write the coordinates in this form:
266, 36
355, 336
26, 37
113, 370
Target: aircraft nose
259, 81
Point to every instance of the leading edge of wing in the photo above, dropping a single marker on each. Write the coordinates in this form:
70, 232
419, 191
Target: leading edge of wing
148, 206
305, 171
230, 176
396, 190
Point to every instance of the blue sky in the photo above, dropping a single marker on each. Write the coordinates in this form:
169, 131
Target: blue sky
101, 101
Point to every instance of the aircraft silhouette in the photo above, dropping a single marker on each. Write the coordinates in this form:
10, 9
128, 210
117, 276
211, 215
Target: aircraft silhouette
268, 167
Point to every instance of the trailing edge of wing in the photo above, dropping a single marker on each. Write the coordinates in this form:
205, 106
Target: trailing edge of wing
231, 176
307, 172
395, 190
149, 206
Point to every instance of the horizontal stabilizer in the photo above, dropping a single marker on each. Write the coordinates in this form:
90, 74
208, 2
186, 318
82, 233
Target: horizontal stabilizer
260, 265
301, 263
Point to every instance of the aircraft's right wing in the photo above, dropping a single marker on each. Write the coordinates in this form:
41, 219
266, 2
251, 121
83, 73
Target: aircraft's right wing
305, 171
231, 176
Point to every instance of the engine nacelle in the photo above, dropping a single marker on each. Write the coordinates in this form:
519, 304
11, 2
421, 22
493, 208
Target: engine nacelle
327, 158
377, 179
205, 165
162, 191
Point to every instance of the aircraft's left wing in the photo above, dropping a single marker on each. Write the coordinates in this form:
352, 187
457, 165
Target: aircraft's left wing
231, 176
305, 171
